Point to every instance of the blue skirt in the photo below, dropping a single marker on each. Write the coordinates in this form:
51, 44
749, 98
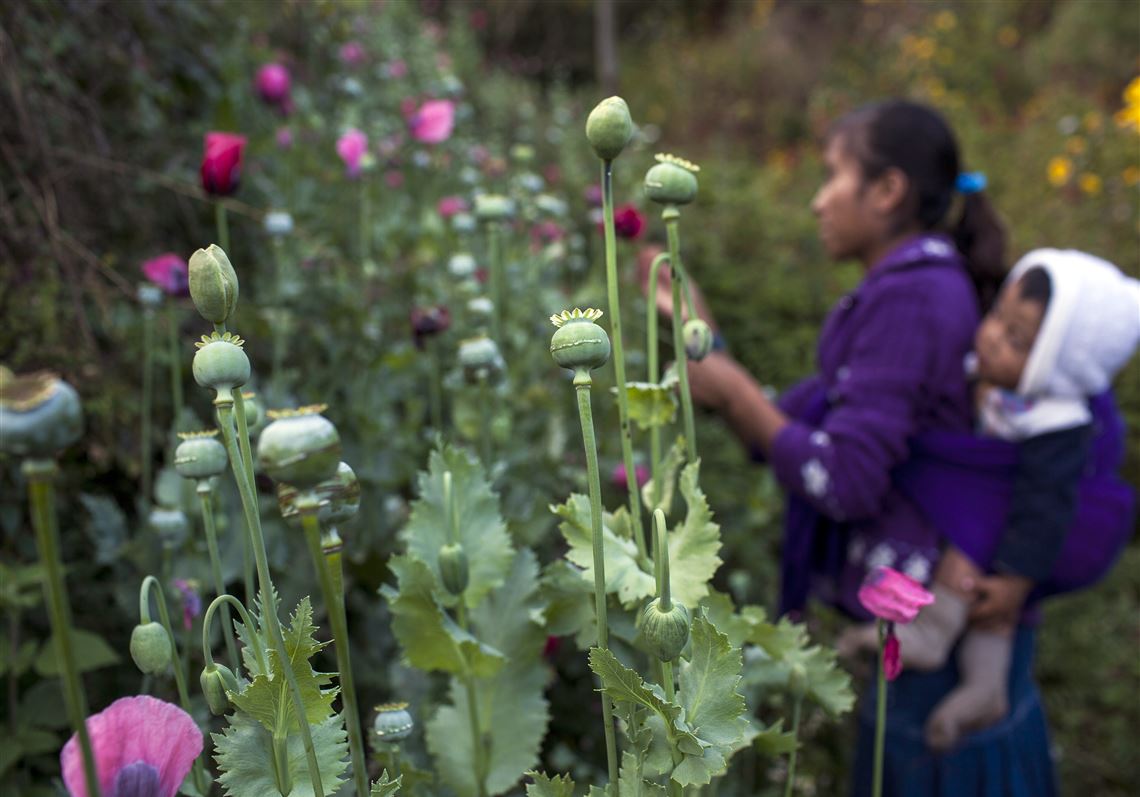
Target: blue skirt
1010, 759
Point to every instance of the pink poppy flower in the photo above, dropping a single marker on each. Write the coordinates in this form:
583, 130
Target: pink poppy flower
221, 163
396, 69
546, 232
617, 476
272, 84
892, 661
191, 601
351, 148
893, 596
142, 745
450, 205
169, 272
593, 195
433, 122
628, 222
352, 54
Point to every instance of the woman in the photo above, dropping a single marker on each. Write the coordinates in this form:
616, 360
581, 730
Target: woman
890, 363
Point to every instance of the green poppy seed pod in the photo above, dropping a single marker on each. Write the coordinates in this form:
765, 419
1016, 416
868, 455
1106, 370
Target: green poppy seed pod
393, 722
579, 343
217, 680
453, 568
200, 455
221, 363
213, 284
339, 498
40, 415
254, 410
171, 525
300, 447
698, 339
150, 648
609, 128
493, 207
665, 632
797, 680
672, 181
480, 359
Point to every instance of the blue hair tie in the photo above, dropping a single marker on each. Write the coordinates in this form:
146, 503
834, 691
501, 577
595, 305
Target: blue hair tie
970, 182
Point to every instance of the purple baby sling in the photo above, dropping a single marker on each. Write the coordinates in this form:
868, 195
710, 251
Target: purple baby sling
962, 484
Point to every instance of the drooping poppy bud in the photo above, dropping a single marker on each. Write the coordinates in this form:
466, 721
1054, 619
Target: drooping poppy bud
150, 648
217, 681
698, 339
221, 163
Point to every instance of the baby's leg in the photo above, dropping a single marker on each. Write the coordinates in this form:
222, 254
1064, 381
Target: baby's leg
925, 643
981, 697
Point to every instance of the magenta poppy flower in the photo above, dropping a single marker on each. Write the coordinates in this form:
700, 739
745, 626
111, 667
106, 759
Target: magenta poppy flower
284, 138
450, 205
272, 84
221, 163
628, 222
593, 195
351, 148
617, 476
433, 121
893, 596
352, 54
169, 272
191, 601
892, 661
142, 746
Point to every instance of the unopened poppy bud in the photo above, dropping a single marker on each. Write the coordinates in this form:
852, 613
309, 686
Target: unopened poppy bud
213, 284
579, 343
797, 680
393, 722
150, 648
665, 631
698, 339
220, 362
453, 568
40, 414
609, 128
339, 497
673, 181
217, 680
300, 447
200, 455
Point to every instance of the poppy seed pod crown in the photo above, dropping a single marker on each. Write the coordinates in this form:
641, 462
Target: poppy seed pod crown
579, 343
40, 414
672, 181
300, 447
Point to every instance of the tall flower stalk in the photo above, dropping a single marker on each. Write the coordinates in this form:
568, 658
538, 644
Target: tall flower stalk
581, 345
653, 373
151, 297
797, 685
609, 129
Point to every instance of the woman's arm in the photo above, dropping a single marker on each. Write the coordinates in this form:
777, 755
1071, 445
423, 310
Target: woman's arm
721, 383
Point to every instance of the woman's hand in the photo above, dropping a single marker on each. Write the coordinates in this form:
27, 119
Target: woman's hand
1000, 600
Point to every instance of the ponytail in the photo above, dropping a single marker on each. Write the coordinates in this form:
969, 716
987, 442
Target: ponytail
981, 238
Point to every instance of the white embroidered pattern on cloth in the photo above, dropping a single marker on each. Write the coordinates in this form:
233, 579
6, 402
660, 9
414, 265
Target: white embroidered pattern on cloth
815, 477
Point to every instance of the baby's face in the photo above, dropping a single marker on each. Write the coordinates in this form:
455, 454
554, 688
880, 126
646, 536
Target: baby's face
1006, 336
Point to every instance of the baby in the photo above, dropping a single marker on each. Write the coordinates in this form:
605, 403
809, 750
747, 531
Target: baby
1064, 325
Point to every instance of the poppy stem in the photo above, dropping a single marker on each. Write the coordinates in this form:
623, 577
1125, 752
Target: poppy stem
205, 498
147, 405
40, 474
653, 374
797, 708
880, 713
175, 362
222, 224
672, 216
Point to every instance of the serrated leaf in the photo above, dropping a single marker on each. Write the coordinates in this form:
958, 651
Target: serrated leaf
253, 638
91, 652
430, 639
693, 546
570, 603
624, 576
244, 749
774, 740
268, 699
740, 626
513, 713
630, 781
481, 529
784, 644
650, 404
385, 787
667, 473
544, 786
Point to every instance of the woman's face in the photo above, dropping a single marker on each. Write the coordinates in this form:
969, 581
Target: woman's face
848, 224
1005, 337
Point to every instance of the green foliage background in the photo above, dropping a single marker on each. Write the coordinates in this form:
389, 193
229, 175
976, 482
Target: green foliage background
105, 107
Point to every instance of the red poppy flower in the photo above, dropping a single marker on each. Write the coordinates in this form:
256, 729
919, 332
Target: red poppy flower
221, 163
628, 222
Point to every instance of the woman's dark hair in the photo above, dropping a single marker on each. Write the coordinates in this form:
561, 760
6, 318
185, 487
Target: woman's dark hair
916, 140
1036, 286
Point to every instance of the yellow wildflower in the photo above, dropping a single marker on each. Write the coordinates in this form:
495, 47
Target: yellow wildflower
945, 20
1076, 145
1059, 170
1090, 183
924, 48
1008, 36
1132, 92
1131, 176
1128, 117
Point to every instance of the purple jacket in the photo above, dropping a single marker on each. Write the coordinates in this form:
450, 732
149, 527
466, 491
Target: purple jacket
891, 367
